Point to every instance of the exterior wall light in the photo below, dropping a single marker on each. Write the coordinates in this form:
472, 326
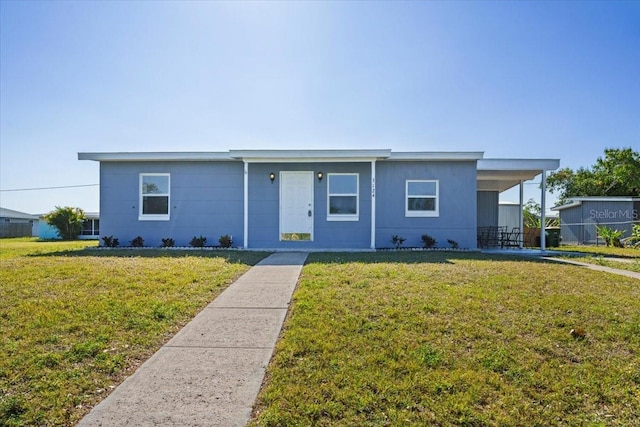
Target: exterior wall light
320, 176
272, 177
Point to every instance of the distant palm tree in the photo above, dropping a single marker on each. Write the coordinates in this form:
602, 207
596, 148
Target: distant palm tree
531, 214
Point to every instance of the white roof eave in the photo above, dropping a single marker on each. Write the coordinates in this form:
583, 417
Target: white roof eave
571, 204
155, 156
518, 164
308, 155
437, 155
289, 156
577, 201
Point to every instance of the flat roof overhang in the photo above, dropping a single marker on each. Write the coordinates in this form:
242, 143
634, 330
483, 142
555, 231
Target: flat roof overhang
283, 156
502, 174
199, 156
308, 156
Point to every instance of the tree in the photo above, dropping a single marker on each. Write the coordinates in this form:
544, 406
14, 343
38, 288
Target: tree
617, 174
67, 220
532, 216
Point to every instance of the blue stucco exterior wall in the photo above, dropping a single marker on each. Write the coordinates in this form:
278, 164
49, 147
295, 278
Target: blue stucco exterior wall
264, 204
457, 197
206, 199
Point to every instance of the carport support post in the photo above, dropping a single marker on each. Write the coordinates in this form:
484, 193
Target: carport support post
246, 205
373, 204
521, 214
543, 207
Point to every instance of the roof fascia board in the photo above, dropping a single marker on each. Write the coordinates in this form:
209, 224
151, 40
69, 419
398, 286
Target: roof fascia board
577, 201
572, 204
308, 159
519, 164
307, 155
437, 155
156, 156
605, 199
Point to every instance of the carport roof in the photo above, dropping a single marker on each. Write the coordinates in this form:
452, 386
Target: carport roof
503, 174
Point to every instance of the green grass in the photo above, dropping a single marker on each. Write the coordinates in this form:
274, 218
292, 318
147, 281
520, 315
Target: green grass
74, 322
601, 251
29, 246
395, 339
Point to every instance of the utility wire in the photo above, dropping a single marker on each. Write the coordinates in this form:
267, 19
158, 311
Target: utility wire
52, 188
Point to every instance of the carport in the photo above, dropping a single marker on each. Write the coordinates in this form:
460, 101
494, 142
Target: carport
498, 175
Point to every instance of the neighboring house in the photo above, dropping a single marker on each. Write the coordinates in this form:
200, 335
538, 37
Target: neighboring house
509, 215
90, 228
579, 217
305, 199
17, 224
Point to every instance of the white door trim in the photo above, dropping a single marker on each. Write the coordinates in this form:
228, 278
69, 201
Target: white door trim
304, 203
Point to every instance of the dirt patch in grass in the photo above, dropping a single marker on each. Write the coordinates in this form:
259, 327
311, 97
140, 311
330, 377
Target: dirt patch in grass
455, 339
74, 323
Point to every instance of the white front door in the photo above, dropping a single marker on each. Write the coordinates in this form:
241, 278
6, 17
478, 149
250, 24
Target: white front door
296, 205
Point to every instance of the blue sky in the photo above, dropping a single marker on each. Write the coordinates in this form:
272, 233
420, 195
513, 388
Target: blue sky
512, 79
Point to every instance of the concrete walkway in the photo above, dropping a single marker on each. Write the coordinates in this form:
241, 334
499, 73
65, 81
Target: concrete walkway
596, 267
210, 372
553, 256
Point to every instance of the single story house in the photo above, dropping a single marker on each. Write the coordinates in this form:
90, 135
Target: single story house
90, 228
17, 224
305, 199
580, 215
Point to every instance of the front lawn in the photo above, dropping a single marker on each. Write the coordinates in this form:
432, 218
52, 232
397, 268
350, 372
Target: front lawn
74, 322
395, 339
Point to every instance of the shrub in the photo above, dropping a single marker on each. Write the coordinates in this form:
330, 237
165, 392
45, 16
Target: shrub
428, 241
453, 243
168, 243
634, 240
138, 242
110, 241
68, 221
198, 242
611, 236
225, 241
397, 240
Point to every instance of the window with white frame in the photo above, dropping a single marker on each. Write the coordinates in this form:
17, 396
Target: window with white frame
90, 227
154, 196
421, 198
343, 197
